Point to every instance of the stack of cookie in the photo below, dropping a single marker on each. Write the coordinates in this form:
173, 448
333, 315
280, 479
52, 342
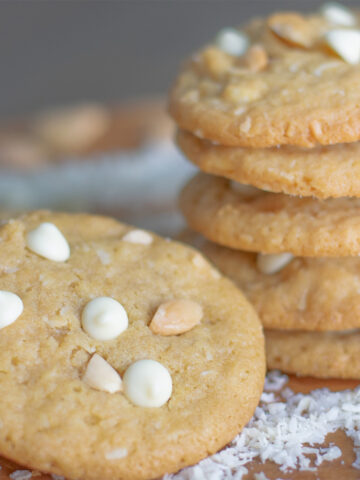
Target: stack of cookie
273, 109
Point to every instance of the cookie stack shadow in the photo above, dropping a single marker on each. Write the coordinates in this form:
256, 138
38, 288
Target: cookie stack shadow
279, 214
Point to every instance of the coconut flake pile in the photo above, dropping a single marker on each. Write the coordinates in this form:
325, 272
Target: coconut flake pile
285, 432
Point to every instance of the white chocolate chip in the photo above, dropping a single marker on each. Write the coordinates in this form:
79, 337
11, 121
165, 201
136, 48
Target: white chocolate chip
104, 318
100, 375
270, 264
176, 317
138, 236
246, 190
116, 454
48, 242
232, 41
338, 14
147, 383
346, 43
11, 307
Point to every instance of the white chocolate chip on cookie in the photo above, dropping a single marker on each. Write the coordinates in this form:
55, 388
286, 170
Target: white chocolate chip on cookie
104, 318
11, 307
232, 41
147, 383
346, 43
338, 14
47, 241
176, 317
273, 263
99, 374
138, 236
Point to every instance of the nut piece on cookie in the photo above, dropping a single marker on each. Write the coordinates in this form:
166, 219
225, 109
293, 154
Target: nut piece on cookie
138, 236
176, 317
217, 61
346, 43
273, 263
292, 28
338, 14
47, 241
11, 307
232, 41
256, 58
104, 318
246, 190
147, 383
99, 374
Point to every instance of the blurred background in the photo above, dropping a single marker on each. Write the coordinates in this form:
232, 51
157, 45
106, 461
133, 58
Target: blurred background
83, 122
61, 51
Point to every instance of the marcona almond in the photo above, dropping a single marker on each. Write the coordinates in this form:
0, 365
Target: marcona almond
216, 61
100, 375
256, 58
293, 28
176, 317
273, 263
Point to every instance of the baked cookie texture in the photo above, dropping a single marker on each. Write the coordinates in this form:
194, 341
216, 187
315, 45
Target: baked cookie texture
317, 354
322, 171
271, 222
300, 93
306, 294
52, 420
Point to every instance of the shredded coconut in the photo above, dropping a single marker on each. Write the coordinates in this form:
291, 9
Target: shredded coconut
116, 454
285, 432
20, 475
103, 256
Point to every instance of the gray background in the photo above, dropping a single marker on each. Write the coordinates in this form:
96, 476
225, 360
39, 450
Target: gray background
54, 52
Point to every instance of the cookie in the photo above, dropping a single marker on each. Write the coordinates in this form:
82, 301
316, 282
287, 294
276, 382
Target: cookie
294, 293
288, 79
315, 354
96, 382
323, 171
251, 219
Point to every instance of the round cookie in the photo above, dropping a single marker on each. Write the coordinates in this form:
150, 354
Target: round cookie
270, 222
291, 86
315, 354
306, 294
323, 171
55, 421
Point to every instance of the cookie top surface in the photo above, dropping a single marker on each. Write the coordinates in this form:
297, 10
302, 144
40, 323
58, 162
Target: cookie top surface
314, 354
267, 222
287, 86
52, 420
322, 172
303, 294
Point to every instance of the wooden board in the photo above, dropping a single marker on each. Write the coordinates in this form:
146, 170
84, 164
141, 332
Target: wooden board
130, 126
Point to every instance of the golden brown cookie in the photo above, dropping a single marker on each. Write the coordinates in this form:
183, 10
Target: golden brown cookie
290, 80
298, 294
56, 410
323, 171
251, 219
314, 354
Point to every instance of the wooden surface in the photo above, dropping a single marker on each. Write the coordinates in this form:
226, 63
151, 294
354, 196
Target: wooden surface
130, 126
